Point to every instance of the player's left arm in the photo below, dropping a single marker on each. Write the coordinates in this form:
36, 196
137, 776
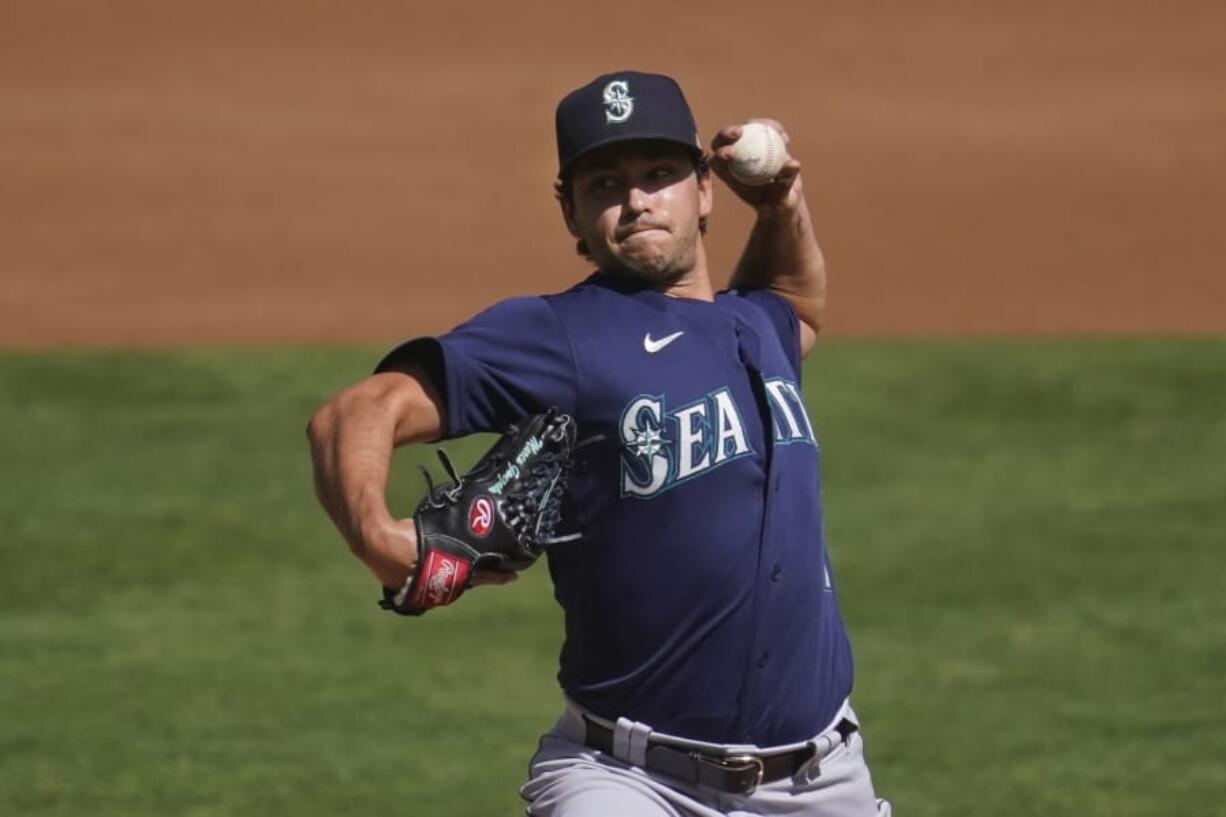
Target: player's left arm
782, 253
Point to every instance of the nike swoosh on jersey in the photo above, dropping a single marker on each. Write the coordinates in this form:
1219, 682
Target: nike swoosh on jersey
653, 346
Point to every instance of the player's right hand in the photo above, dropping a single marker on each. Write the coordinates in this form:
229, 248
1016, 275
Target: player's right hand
392, 548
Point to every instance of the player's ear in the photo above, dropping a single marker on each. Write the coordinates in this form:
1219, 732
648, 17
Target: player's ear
567, 206
706, 194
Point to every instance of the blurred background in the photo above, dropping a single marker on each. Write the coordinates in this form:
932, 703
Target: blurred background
214, 215
320, 171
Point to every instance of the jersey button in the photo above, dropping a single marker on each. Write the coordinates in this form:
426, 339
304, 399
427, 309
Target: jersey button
762, 659
776, 573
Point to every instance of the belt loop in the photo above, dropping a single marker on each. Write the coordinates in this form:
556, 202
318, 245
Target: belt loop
621, 739
639, 733
630, 741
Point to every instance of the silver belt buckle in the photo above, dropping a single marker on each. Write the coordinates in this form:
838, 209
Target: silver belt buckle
742, 762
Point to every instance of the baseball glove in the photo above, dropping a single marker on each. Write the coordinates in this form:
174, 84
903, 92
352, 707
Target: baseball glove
499, 516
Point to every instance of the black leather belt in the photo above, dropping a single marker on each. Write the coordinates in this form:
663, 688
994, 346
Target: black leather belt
733, 773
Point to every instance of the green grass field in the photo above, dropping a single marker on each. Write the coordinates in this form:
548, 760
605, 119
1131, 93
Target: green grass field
1030, 539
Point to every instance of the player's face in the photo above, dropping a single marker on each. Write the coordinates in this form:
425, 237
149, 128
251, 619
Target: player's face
637, 208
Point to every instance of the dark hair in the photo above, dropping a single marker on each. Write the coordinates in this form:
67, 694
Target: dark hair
563, 189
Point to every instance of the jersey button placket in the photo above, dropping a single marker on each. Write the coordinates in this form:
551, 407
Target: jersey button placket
767, 535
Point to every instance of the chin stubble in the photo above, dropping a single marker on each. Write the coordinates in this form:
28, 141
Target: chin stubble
657, 271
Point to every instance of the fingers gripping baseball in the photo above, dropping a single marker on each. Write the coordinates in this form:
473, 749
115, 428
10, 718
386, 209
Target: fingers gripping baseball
752, 159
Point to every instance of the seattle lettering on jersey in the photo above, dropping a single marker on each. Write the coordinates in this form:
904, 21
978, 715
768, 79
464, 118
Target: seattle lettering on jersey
665, 448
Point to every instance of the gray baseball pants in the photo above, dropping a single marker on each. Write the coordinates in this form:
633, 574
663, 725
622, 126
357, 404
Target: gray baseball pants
569, 779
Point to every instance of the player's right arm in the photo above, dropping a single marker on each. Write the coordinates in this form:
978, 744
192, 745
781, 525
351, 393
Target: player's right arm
510, 361
352, 437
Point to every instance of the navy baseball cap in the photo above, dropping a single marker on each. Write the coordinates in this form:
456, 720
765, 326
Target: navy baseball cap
619, 107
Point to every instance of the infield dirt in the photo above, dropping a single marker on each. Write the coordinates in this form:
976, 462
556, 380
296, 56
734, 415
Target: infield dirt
250, 172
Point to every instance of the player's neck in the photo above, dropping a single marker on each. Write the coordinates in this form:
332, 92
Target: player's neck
696, 283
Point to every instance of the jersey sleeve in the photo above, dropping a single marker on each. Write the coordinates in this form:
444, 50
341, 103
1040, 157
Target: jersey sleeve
782, 318
508, 362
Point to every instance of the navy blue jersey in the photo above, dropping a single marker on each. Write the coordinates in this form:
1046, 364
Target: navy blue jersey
700, 599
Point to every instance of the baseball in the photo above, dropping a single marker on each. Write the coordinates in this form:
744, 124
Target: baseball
758, 155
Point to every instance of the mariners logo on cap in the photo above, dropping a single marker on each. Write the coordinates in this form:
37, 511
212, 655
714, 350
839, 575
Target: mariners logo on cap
618, 104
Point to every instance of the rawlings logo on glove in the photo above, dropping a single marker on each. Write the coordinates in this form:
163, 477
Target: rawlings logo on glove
481, 516
444, 581
499, 516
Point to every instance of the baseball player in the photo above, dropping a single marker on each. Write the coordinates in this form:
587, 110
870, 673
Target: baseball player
705, 669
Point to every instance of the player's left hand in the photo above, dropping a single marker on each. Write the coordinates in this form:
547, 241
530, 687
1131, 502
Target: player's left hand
781, 195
